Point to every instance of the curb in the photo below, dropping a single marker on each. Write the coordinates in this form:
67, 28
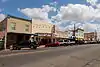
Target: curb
8, 50
42, 46
5, 51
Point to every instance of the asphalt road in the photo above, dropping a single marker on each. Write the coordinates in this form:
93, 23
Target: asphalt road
71, 56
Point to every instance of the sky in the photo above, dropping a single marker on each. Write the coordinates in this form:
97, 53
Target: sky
63, 13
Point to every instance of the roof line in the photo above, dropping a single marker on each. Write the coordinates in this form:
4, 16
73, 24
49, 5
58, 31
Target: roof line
18, 18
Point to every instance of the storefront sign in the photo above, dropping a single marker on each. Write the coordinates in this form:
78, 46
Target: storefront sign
44, 34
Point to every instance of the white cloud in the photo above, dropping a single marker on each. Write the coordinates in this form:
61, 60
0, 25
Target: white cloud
79, 14
92, 2
54, 3
4, 1
2, 16
76, 12
38, 13
88, 27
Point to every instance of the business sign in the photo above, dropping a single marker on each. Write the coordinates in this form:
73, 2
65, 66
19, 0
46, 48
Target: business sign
44, 34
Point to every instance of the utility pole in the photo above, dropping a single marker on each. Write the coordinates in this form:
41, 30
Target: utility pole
74, 30
52, 33
95, 35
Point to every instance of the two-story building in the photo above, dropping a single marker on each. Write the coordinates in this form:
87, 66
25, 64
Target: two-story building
15, 29
59, 35
91, 36
44, 31
79, 33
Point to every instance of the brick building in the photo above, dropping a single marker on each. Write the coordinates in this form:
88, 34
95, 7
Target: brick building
91, 36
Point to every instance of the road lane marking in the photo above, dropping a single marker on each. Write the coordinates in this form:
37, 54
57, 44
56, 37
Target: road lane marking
23, 53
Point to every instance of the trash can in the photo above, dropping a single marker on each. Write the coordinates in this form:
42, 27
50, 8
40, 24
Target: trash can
1, 44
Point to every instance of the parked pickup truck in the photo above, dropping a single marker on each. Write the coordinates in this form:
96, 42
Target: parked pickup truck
66, 42
24, 44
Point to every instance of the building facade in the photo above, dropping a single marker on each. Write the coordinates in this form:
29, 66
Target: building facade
98, 36
44, 31
79, 33
61, 34
70, 33
91, 36
15, 29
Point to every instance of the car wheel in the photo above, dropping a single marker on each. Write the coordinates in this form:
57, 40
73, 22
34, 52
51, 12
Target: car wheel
11, 47
35, 47
19, 48
31, 47
65, 44
14, 48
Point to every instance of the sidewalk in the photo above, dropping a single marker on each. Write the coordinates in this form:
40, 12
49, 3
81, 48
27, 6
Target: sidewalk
8, 51
5, 51
42, 46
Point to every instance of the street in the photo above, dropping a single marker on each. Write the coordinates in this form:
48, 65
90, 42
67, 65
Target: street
70, 56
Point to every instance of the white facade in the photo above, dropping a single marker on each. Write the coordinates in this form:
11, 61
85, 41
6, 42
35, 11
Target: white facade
70, 33
41, 26
80, 34
61, 34
98, 36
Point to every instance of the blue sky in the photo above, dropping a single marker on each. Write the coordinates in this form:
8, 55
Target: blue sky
81, 12
10, 6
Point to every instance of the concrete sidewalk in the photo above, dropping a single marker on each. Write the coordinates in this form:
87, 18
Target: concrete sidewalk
42, 46
5, 51
8, 51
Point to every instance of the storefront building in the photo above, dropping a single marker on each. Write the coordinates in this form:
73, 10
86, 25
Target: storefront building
15, 29
60, 35
44, 31
79, 34
91, 36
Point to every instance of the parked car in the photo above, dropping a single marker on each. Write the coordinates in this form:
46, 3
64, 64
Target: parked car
63, 42
54, 44
71, 43
1, 44
66, 42
24, 44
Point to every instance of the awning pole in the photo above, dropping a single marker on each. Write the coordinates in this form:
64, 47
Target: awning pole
5, 41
